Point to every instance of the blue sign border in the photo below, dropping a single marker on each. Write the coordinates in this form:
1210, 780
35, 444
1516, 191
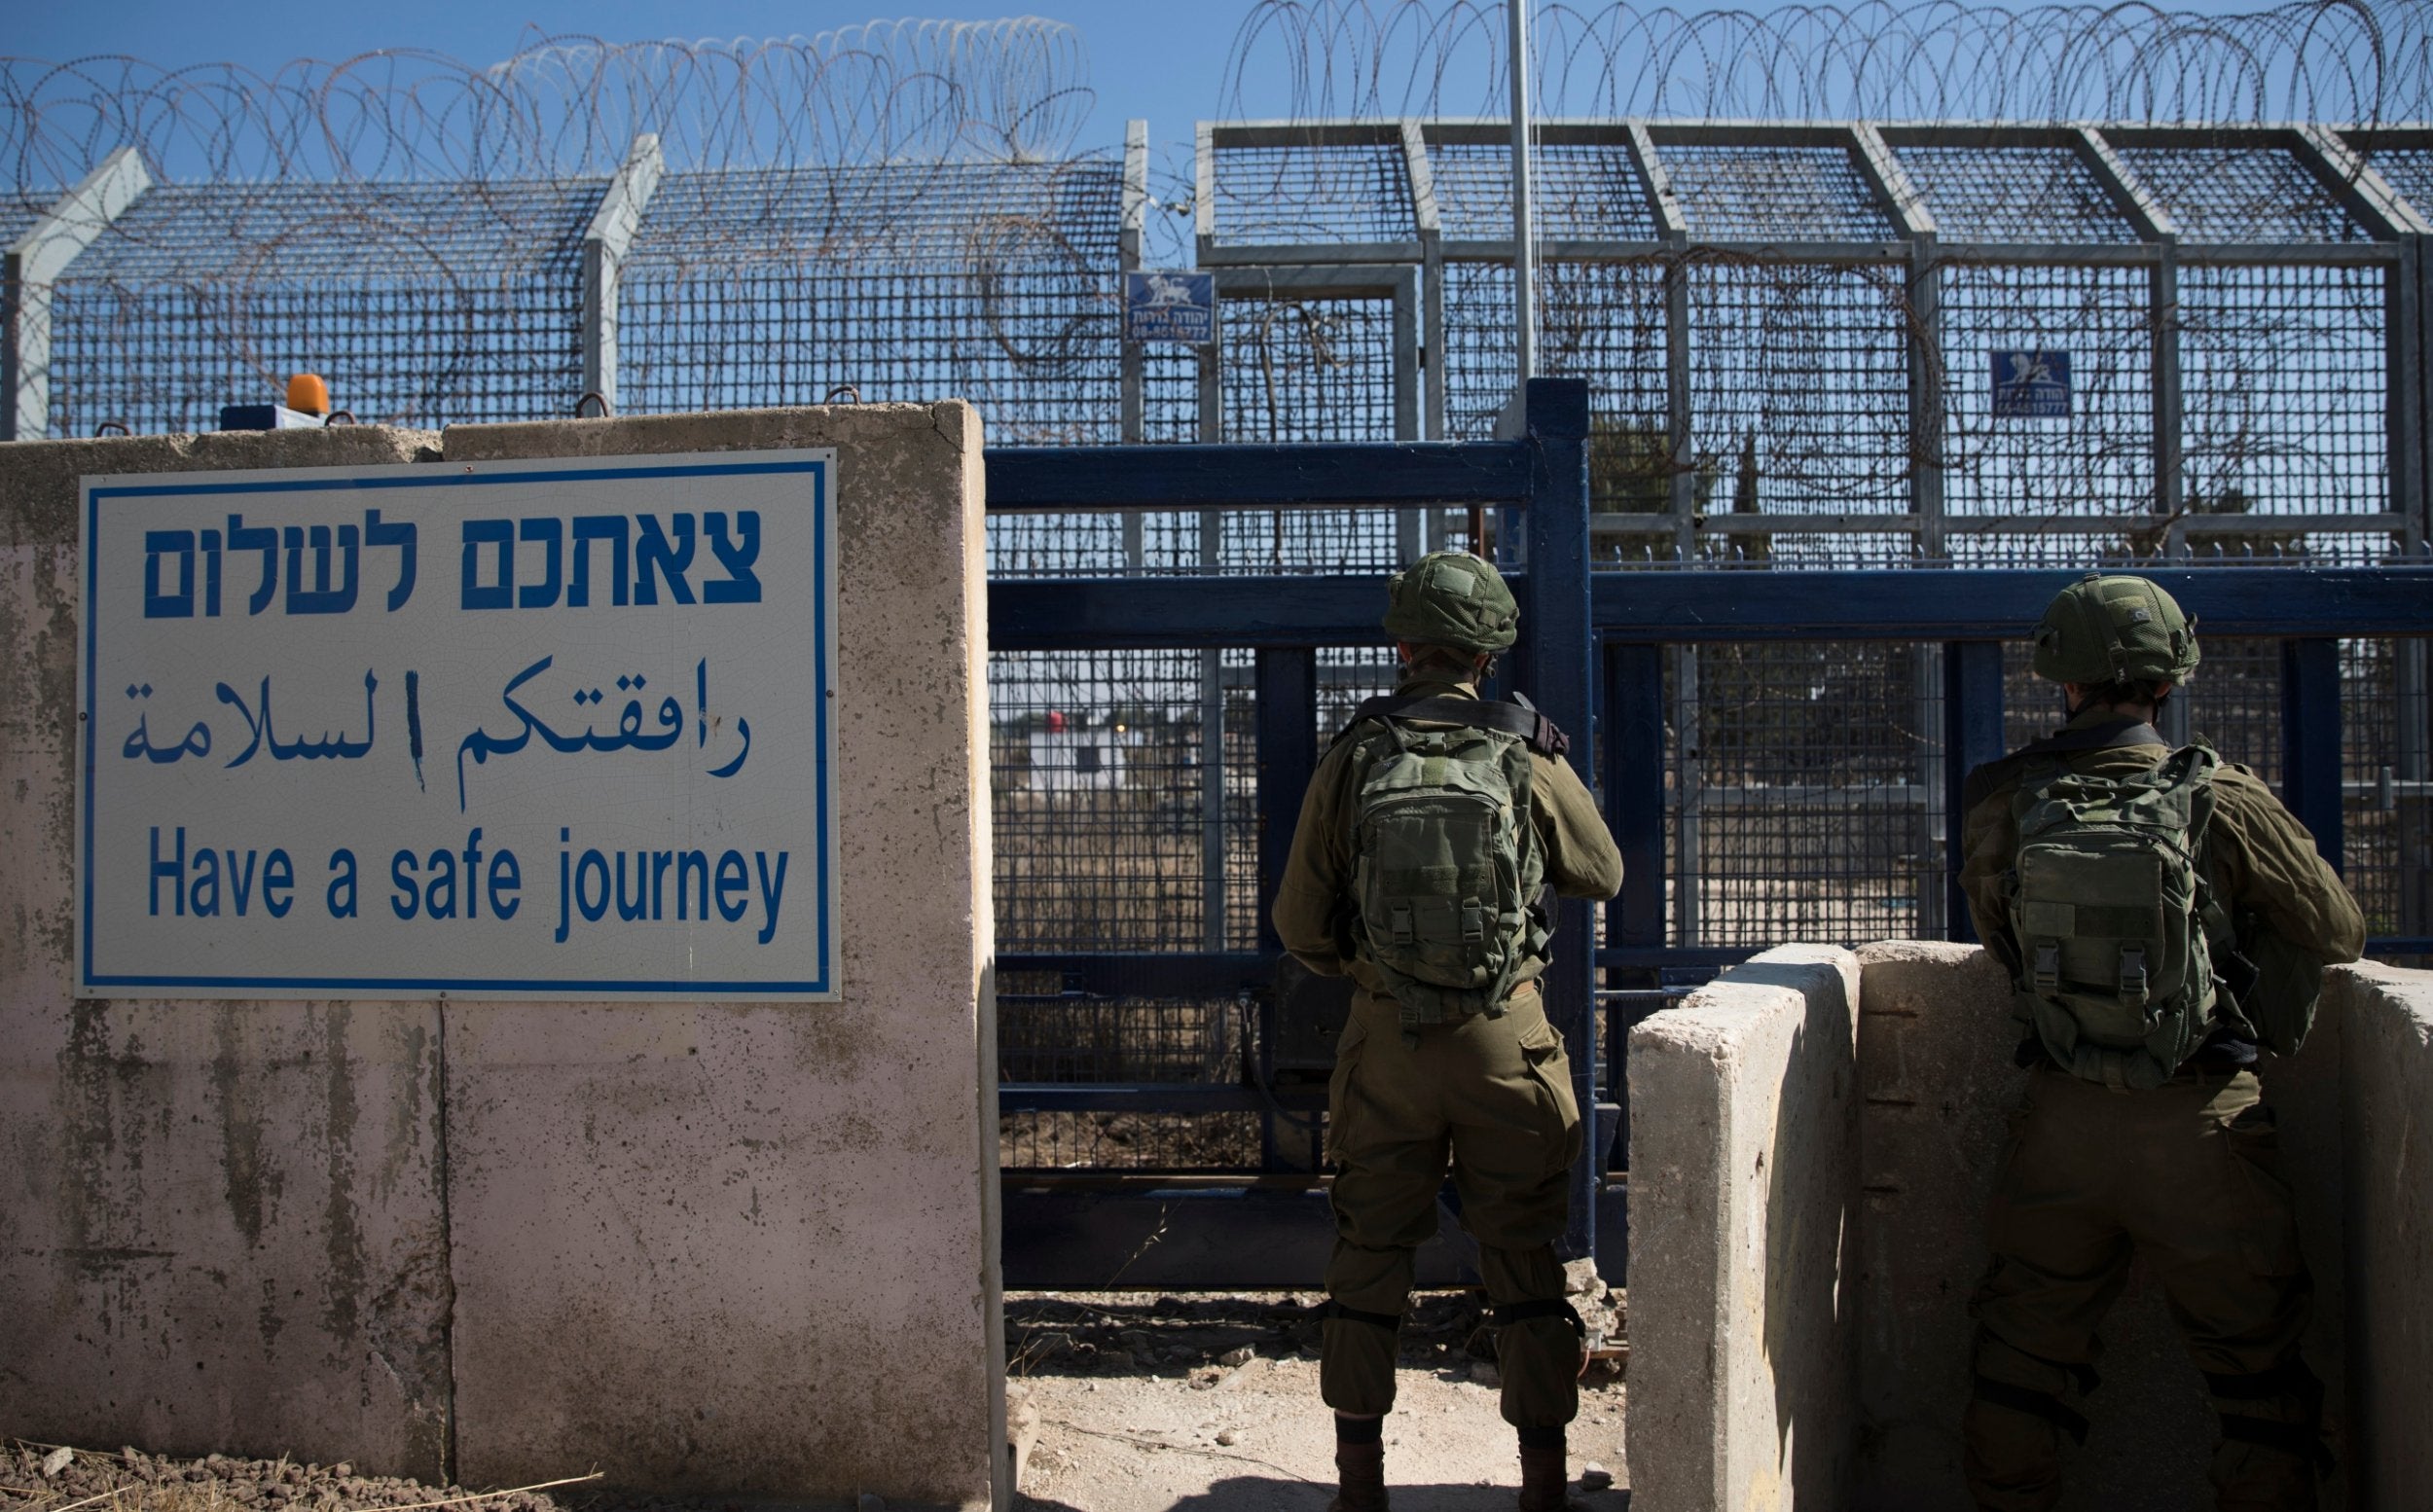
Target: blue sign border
435, 477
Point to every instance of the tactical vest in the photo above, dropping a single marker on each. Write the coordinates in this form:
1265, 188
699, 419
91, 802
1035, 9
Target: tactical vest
1446, 865
2114, 919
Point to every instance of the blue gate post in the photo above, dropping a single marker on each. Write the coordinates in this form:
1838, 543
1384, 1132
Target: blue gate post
1560, 639
1286, 683
1972, 737
2310, 740
1631, 752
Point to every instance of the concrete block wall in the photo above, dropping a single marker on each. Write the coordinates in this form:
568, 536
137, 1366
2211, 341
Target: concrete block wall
220, 1223
1938, 1085
495, 1242
1923, 1108
1744, 1142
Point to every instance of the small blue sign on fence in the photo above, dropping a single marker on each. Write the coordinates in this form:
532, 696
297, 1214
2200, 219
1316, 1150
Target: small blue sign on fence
2031, 385
1170, 306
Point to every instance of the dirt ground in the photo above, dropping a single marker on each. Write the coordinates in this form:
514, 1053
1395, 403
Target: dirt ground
1146, 1403
1125, 1402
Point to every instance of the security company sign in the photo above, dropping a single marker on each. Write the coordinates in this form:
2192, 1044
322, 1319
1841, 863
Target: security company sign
1170, 306
2031, 385
532, 729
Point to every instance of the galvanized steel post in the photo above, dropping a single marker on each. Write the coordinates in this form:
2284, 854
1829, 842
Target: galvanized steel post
1524, 265
610, 236
34, 264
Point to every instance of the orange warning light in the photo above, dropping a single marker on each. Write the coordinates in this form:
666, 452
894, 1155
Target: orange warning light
308, 394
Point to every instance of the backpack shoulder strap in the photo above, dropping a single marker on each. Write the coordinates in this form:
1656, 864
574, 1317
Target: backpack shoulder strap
1520, 720
1983, 781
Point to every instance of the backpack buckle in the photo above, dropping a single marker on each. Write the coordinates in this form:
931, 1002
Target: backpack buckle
1403, 933
2049, 968
2134, 975
1473, 921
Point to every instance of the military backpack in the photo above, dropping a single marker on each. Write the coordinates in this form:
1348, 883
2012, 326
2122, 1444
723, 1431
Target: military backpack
1447, 865
2116, 925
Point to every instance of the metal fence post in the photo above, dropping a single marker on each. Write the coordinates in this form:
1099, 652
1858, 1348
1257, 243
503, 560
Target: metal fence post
1631, 752
1559, 634
1286, 725
34, 264
604, 245
1130, 399
1972, 737
1633, 732
2310, 740
1211, 429
1674, 226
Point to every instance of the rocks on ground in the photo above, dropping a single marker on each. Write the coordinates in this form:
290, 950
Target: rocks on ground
47, 1476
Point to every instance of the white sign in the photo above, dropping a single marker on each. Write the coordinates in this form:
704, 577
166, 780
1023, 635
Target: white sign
529, 729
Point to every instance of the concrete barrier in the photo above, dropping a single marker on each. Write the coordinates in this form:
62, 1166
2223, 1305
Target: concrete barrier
220, 1224
1928, 1109
2386, 1188
1743, 1148
743, 1247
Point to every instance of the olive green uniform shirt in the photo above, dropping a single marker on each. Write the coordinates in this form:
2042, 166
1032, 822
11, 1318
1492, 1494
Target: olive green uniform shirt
2261, 861
1314, 896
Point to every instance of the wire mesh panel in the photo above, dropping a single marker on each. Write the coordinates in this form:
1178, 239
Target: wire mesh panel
422, 303
2013, 194
2387, 831
1309, 368
1801, 792
1348, 192
1749, 192
2097, 460
1798, 373
1114, 833
2234, 699
1303, 368
2241, 194
1577, 189
20, 214
2408, 170
1099, 802
2284, 390
988, 282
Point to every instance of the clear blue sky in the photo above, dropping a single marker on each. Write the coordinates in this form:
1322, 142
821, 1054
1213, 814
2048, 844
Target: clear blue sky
1160, 59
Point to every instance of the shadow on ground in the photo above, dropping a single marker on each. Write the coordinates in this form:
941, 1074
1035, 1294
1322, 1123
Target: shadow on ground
1281, 1494
1134, 1333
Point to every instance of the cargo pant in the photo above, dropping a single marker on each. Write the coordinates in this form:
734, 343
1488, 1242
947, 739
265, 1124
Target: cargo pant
2185, 1175
1493, 1095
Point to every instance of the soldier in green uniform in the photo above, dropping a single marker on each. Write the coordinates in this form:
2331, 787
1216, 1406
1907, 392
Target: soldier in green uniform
2143, 1128
1430, 831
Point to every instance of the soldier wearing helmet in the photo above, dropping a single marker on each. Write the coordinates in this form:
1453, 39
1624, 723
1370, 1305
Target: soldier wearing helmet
2143, 1128
1431, 829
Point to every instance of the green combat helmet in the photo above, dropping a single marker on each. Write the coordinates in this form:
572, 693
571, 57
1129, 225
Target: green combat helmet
1452, 598
2102, 630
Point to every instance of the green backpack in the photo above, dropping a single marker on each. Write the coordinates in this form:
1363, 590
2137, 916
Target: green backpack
2117, 926
1447, 865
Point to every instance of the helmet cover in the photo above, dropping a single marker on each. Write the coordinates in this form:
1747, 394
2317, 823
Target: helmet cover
2102, 630
1452, 598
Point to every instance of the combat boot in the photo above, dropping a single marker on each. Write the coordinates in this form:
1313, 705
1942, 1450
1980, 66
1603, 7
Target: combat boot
1546, 1483
1359, 1476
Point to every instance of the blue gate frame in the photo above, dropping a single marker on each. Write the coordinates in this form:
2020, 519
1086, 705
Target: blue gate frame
1592, 657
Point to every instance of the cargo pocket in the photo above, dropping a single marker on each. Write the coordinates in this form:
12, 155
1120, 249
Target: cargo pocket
1340, 1119
2268, 1211
1541, 1052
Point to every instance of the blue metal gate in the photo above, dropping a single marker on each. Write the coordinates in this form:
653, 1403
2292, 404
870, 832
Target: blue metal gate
1593, 655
